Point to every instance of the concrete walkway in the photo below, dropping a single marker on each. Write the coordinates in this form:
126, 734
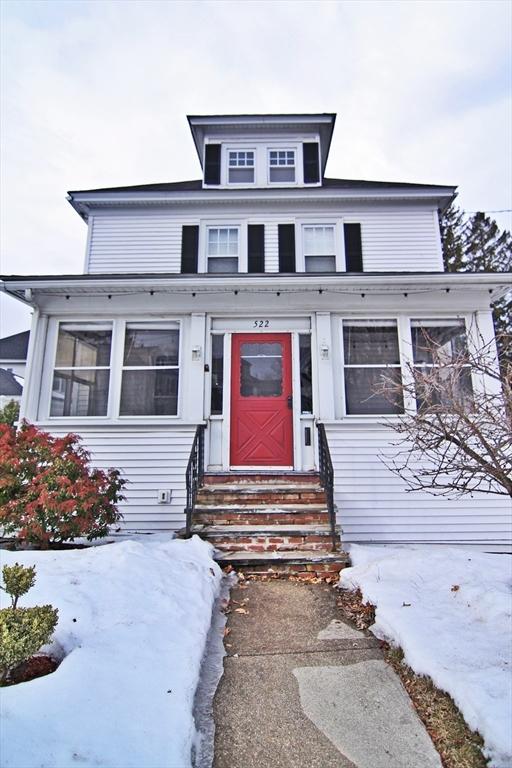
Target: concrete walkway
302, 689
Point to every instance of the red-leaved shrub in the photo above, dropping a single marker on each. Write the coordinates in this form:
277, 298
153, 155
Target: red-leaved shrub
48, 491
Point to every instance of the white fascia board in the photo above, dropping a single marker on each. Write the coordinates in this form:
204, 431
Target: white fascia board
498, 283
263, 195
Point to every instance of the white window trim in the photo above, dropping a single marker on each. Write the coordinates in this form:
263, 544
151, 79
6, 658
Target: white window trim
205, 226
403, 321
116, 369
298, 164
225, 166
339, 242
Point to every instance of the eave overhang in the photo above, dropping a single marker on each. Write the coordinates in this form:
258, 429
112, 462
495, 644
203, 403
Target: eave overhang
28, 289
86, 202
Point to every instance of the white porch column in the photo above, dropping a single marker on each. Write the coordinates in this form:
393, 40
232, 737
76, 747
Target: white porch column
194, 378
481, 337
323, 354
35, 358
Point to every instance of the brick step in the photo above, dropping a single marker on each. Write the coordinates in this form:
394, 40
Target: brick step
254, 494
267, 538
261, 515
231, 478
298, 563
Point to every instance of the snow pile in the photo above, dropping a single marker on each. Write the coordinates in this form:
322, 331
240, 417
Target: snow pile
133, 622
450, 612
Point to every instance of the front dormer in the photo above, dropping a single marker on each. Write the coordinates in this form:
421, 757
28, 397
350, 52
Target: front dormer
262, 151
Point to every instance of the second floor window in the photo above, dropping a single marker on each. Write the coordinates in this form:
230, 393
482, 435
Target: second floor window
241, 167
223, 249
281, 165
319, 249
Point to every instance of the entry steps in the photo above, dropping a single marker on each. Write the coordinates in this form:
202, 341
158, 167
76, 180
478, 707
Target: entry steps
268, 523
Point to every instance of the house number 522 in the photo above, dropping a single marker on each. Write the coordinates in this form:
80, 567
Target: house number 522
261, 324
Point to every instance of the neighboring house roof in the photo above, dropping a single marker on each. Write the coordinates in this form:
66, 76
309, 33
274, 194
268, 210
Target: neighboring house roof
14, 347
197, 185
8, 384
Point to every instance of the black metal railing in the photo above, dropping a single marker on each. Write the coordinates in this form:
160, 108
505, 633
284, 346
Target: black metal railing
327, 480
194, 474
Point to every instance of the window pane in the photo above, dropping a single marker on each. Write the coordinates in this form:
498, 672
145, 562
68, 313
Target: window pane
306, 390
319, 241
282, 174
370, 342
449, 337
149, 393
78, 347
223, 242
144, 346
217, 374
80, 393
458, 388
241, 175
360, 387
320, 263
223, 265
261, 370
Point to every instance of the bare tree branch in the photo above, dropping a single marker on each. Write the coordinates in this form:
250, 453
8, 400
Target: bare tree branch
459, 439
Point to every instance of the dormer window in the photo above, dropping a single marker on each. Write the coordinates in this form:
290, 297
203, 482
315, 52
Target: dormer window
223, 249
281, 166
241, 166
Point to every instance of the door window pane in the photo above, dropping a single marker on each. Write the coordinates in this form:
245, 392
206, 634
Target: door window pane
306, 391
217, 374
261, 370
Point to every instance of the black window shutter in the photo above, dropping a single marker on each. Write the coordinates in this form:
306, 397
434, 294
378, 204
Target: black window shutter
353, 248
189, 249
311, 162
212, 164
256, 248
286, 237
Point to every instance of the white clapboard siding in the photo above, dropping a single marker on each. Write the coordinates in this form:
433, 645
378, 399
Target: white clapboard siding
373, 505
149, 459
397, 238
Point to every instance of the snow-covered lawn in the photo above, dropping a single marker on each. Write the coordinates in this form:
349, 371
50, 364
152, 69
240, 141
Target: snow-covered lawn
450, 610
133, 621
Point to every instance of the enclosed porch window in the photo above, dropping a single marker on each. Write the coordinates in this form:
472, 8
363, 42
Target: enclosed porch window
81, 375
150, 376
371, 353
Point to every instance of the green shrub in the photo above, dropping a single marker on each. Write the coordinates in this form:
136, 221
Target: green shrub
10, 413
22, 630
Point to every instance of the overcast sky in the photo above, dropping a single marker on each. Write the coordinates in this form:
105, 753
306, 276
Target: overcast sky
96, 94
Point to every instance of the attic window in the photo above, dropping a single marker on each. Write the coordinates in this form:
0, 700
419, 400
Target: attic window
281, 165
241, 167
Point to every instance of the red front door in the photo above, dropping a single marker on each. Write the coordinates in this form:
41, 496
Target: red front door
261, 400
